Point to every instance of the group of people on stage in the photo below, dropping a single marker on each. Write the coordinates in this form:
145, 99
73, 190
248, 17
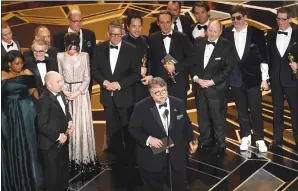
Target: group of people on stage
46, 109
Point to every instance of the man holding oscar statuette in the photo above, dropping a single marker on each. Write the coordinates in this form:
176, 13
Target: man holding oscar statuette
167, 48
54, 126
156, 121
283, 56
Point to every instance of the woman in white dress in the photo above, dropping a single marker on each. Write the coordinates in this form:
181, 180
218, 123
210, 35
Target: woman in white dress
74, 67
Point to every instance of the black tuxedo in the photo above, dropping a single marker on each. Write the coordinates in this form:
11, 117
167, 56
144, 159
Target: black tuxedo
180, 49
117, 107
282, 84
51, 122
145, 122
3, 52
141, 43
245, 81
211, 102
51, 65
186, 23
52, 52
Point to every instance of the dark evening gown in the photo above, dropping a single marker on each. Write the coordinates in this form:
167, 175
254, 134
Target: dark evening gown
20, 169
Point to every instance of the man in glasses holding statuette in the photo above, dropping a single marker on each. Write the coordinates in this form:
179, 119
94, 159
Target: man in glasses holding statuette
283, 57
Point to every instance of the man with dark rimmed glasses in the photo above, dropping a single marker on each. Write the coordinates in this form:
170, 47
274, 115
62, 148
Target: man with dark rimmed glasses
249, 77
282, 42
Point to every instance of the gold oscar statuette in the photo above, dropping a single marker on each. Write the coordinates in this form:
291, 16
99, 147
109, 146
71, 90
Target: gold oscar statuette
66, 134
294, 73
144, 64
172, 76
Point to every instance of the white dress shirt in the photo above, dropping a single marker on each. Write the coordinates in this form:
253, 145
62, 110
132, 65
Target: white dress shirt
165, 121
208, 52
240, 42
42, 68
179, 25
114, 53
196, 32
282, 41
13, 47
81, 37
167, 42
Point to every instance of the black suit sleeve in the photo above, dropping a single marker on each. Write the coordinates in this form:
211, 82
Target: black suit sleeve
188, 134
135, 126
93, 43
228, 64
43, 118
135, 69
262, 46
187, 46
95, 66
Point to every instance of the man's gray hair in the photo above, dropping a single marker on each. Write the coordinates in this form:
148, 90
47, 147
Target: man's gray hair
157, 81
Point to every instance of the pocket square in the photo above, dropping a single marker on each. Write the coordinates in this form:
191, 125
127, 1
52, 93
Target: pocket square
219, 58
179, 116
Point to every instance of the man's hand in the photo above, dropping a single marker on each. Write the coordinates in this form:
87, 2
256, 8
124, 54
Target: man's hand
193, 146
264, 85
107, 85
63, 138
170, 67
204, 83
67, 94
154, 142
70, 128
146, 80
114, 86
73, 95
143, 71
294, 66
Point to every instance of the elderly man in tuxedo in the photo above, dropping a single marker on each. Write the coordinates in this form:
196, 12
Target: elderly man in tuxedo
212, 62
283, 74
153, 119
43, 33
39, 64
54, 121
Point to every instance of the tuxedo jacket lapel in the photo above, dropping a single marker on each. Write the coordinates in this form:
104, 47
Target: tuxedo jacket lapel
84, 43
293, 41
162, 44
156, 116
172, 117
215, 52
107, 55
247, 44
120, 55
56, 102
173, 43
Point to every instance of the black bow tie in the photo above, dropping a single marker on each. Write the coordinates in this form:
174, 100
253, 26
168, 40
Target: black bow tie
40, 61
9, 45
169, 35
116, 47
58, 94
208, 42
202, 27
281, 32
163, 105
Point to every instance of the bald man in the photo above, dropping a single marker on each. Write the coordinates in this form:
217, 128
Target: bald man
53, 120
42, 33
212, 60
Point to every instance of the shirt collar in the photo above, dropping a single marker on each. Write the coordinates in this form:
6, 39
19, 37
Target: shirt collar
288, 30
167, 34
5, 43
214, 40
167, 101
207, 23
244, 30
119, 45
70, 30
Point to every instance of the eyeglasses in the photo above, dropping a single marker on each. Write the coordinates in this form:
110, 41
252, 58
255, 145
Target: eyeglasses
162, 92
39, 51
115, 35
77, 21
281, 19
238, 18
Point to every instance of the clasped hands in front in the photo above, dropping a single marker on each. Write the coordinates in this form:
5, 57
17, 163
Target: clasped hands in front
170, 67
157, 143
71, 95
111, 86
204, 83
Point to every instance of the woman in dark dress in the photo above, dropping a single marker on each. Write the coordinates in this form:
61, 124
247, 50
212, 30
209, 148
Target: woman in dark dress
20, 170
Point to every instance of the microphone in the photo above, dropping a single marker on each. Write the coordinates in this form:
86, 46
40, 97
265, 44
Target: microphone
166, 113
